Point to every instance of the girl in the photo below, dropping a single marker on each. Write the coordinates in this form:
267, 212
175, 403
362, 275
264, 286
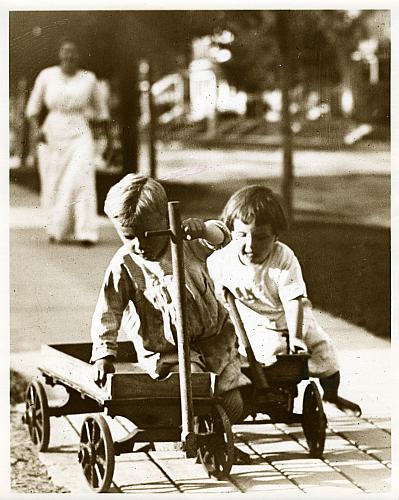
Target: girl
266, 279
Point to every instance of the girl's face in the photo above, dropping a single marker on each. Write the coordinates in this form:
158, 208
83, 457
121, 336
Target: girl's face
255, 242
150, 248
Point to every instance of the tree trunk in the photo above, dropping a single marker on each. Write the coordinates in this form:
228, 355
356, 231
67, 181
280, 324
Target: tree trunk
129, 118
125, 63
286, 130
152, 126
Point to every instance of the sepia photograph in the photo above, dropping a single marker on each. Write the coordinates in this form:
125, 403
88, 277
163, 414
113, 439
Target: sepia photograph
199, 250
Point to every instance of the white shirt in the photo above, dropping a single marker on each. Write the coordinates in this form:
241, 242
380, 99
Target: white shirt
262, 288
137, 294
70, 100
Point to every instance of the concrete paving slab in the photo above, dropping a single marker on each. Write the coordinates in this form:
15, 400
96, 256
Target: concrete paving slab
188, 476
259, 475
136, 474
370, 474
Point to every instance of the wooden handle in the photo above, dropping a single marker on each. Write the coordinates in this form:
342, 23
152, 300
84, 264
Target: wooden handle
259, 377
183, 347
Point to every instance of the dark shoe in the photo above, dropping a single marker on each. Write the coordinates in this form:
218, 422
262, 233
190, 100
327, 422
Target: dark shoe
87, 243
344, 405
241, 458
330, 387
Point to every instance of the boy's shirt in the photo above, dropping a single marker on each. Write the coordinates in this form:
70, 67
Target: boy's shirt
137, 295
262, 289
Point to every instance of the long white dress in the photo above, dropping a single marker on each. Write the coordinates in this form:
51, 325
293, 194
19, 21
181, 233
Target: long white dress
66, 161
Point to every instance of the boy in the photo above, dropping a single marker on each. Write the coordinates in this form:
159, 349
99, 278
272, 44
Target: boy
137, 293
265, 277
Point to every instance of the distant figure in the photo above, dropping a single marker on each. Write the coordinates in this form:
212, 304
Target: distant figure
65, 146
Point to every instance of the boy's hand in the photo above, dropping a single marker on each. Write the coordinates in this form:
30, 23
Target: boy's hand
193, 228
100, 369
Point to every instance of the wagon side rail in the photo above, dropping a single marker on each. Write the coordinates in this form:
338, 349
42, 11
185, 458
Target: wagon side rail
58, 366
62, 368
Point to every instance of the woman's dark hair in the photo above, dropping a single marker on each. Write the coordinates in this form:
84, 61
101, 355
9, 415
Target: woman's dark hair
257, 204
68, 39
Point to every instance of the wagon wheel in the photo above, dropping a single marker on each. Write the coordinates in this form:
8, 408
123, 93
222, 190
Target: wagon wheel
37, 416
217, 453
96, 453
314, 420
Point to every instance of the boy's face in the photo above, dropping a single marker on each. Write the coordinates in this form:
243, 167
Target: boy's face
255, 241
149, 248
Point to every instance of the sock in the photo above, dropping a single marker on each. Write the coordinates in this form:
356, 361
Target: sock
233, 405
330, 386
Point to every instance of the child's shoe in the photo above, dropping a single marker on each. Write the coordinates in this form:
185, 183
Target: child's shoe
344, 405
330, 387
240, 457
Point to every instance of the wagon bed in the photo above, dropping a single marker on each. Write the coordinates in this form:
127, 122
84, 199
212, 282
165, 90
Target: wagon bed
69, 365
152, 406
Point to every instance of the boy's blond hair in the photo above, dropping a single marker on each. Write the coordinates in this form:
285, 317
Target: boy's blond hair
133, 198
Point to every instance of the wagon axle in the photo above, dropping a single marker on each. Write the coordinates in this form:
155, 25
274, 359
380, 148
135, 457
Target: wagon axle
29, 416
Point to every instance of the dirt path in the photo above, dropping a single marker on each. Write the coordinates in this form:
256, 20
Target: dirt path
28, 474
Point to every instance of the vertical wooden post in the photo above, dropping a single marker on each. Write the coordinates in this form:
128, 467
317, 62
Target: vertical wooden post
129, 115
284, 41
188, 436
152, 126
146, 82
24, 143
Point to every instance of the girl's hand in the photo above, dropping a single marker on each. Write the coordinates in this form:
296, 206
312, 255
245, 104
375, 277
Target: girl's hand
193, 228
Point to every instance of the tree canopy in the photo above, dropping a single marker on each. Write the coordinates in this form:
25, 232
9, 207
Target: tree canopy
104, 38
319, 43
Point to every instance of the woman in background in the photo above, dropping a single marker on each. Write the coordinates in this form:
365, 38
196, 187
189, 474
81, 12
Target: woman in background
65, 146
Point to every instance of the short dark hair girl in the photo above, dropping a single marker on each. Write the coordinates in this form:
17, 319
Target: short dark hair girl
257, 204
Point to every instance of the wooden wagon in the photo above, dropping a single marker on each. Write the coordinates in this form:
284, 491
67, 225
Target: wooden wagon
179, 408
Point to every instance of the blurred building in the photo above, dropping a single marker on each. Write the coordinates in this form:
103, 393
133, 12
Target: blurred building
363, 97
195, 92
210, 92
371, 68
